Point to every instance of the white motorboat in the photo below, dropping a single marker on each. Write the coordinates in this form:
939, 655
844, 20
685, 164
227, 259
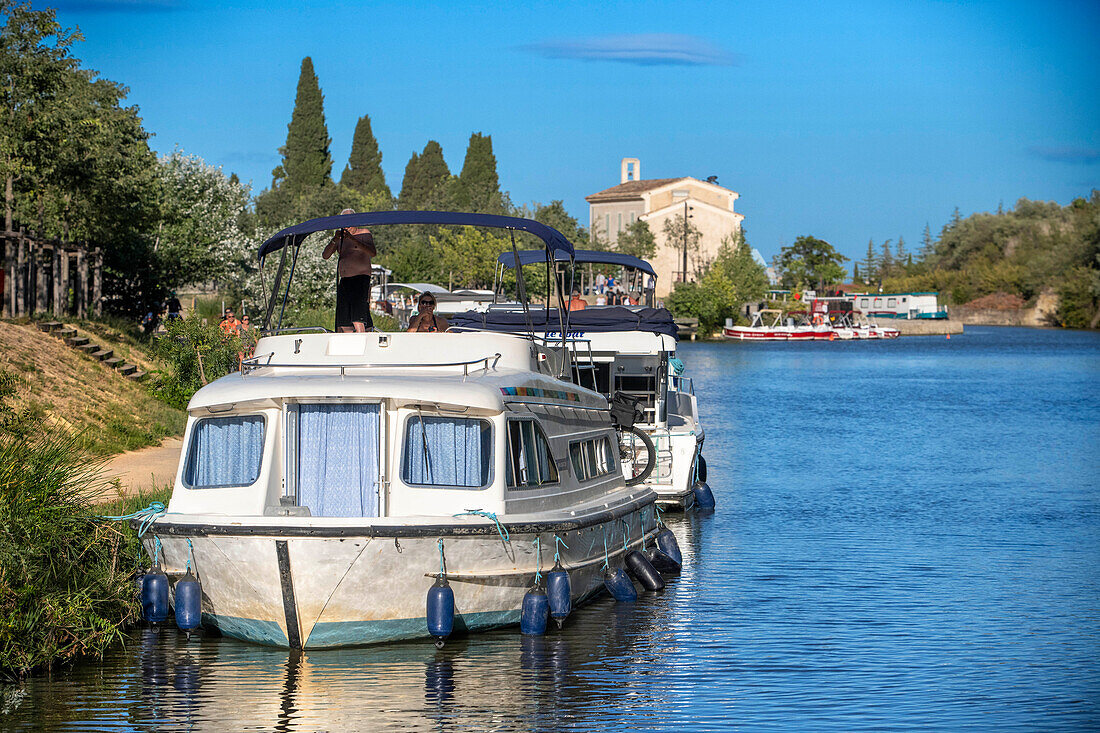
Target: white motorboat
768, 325
325, 487
627, 353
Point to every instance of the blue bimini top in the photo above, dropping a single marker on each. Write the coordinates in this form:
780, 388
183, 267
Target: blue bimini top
531, 256
593, 320
293, 236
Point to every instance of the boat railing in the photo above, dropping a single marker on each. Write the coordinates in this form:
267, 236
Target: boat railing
253, 363
681, 384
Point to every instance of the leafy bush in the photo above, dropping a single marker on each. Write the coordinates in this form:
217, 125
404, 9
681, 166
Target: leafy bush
733, 279
1079, 298
197, 354
65, 575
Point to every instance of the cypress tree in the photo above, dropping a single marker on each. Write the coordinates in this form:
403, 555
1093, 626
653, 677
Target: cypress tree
478, 187
307, 164
886, 263
426, 175
870, 263
363, 173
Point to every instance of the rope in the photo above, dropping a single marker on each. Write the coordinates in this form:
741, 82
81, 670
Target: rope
558, 541
190, 553
442, 561
156, 551
538, 560
501, 529
148, 515
606, 563
657, 515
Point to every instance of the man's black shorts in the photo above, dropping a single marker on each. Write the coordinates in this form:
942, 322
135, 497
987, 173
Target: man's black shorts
353, 301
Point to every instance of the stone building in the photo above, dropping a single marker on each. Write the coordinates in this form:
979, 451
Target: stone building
657, 200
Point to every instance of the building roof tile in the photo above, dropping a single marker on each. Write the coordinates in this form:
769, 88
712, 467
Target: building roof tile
630, 189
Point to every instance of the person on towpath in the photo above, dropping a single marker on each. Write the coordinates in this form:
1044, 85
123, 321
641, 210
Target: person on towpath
355, 247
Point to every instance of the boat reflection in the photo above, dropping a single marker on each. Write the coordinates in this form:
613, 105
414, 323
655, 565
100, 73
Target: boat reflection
496, 678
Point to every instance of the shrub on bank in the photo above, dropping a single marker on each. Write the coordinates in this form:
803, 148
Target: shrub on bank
66, 587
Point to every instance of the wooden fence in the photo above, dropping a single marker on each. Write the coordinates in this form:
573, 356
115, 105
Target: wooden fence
44, 276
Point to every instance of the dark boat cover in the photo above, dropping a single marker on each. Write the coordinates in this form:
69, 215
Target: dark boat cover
531, 256
294, 235
591, 320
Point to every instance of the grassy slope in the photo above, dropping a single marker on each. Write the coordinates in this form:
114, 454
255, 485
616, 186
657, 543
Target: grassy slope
79, 393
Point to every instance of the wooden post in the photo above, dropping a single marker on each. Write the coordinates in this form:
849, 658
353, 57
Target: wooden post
58, 297
81, 284
42, 285
20, 279
97, 283
9, 301
64, 299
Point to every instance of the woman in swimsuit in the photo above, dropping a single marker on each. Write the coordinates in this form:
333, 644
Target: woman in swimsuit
426, 321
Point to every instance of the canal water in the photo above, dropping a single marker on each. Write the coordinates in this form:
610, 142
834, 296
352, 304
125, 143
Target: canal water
907, 536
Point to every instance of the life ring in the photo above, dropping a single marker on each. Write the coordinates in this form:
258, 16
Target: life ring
818, 320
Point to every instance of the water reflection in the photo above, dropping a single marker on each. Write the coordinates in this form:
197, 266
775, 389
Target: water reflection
501, 679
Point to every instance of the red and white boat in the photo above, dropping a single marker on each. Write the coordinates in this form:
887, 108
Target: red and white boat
767, 326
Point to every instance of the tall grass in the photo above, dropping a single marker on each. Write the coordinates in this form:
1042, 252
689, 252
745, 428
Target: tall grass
66, 586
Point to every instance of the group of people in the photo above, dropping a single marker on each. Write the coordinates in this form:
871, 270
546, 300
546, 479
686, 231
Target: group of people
231, 326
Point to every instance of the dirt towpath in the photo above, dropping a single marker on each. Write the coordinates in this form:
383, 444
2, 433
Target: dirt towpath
144, 470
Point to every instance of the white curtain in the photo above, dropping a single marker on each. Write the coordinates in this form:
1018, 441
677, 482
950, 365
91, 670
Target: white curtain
447, 451
225, 451
338, 471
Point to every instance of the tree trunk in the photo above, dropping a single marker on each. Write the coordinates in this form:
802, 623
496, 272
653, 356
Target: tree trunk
9, 202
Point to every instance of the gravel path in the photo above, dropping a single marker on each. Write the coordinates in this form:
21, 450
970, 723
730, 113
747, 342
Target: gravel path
146, 469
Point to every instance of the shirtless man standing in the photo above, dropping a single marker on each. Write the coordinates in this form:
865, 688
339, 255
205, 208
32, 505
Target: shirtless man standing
355, 247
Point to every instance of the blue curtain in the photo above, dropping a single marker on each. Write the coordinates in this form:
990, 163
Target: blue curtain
225, 451
446, 451
338, 471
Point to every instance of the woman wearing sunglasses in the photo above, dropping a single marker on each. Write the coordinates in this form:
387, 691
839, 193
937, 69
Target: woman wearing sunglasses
425, 320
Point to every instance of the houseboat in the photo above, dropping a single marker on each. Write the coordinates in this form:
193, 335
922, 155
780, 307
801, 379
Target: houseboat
909, 306
326, 487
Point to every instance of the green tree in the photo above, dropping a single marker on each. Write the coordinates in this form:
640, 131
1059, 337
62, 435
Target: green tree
199, 210
681, 234
927, 244
467, 256
554, 215
886, 261
637, 240
809, 262
901, 254
426, 179
363, 173
307, 163
733, 279
478, 186
35, 61
870, 262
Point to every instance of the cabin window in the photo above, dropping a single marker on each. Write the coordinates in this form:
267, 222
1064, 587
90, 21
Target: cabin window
863, 303
591, 458
335, 447
224, 452
530, 462
447, 451
892, 303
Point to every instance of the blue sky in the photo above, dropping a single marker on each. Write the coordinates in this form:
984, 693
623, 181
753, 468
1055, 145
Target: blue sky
847, 121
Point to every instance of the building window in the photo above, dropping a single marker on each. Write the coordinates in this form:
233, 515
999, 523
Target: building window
892, 303
631, 217
607, 223
620, 223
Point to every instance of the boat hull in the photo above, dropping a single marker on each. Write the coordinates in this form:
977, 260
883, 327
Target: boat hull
748, 333
358, 588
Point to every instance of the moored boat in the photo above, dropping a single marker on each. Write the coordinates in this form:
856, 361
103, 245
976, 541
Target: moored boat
327, 486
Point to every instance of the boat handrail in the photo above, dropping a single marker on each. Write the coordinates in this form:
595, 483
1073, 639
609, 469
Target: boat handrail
251, 363
677, 380
303, 329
